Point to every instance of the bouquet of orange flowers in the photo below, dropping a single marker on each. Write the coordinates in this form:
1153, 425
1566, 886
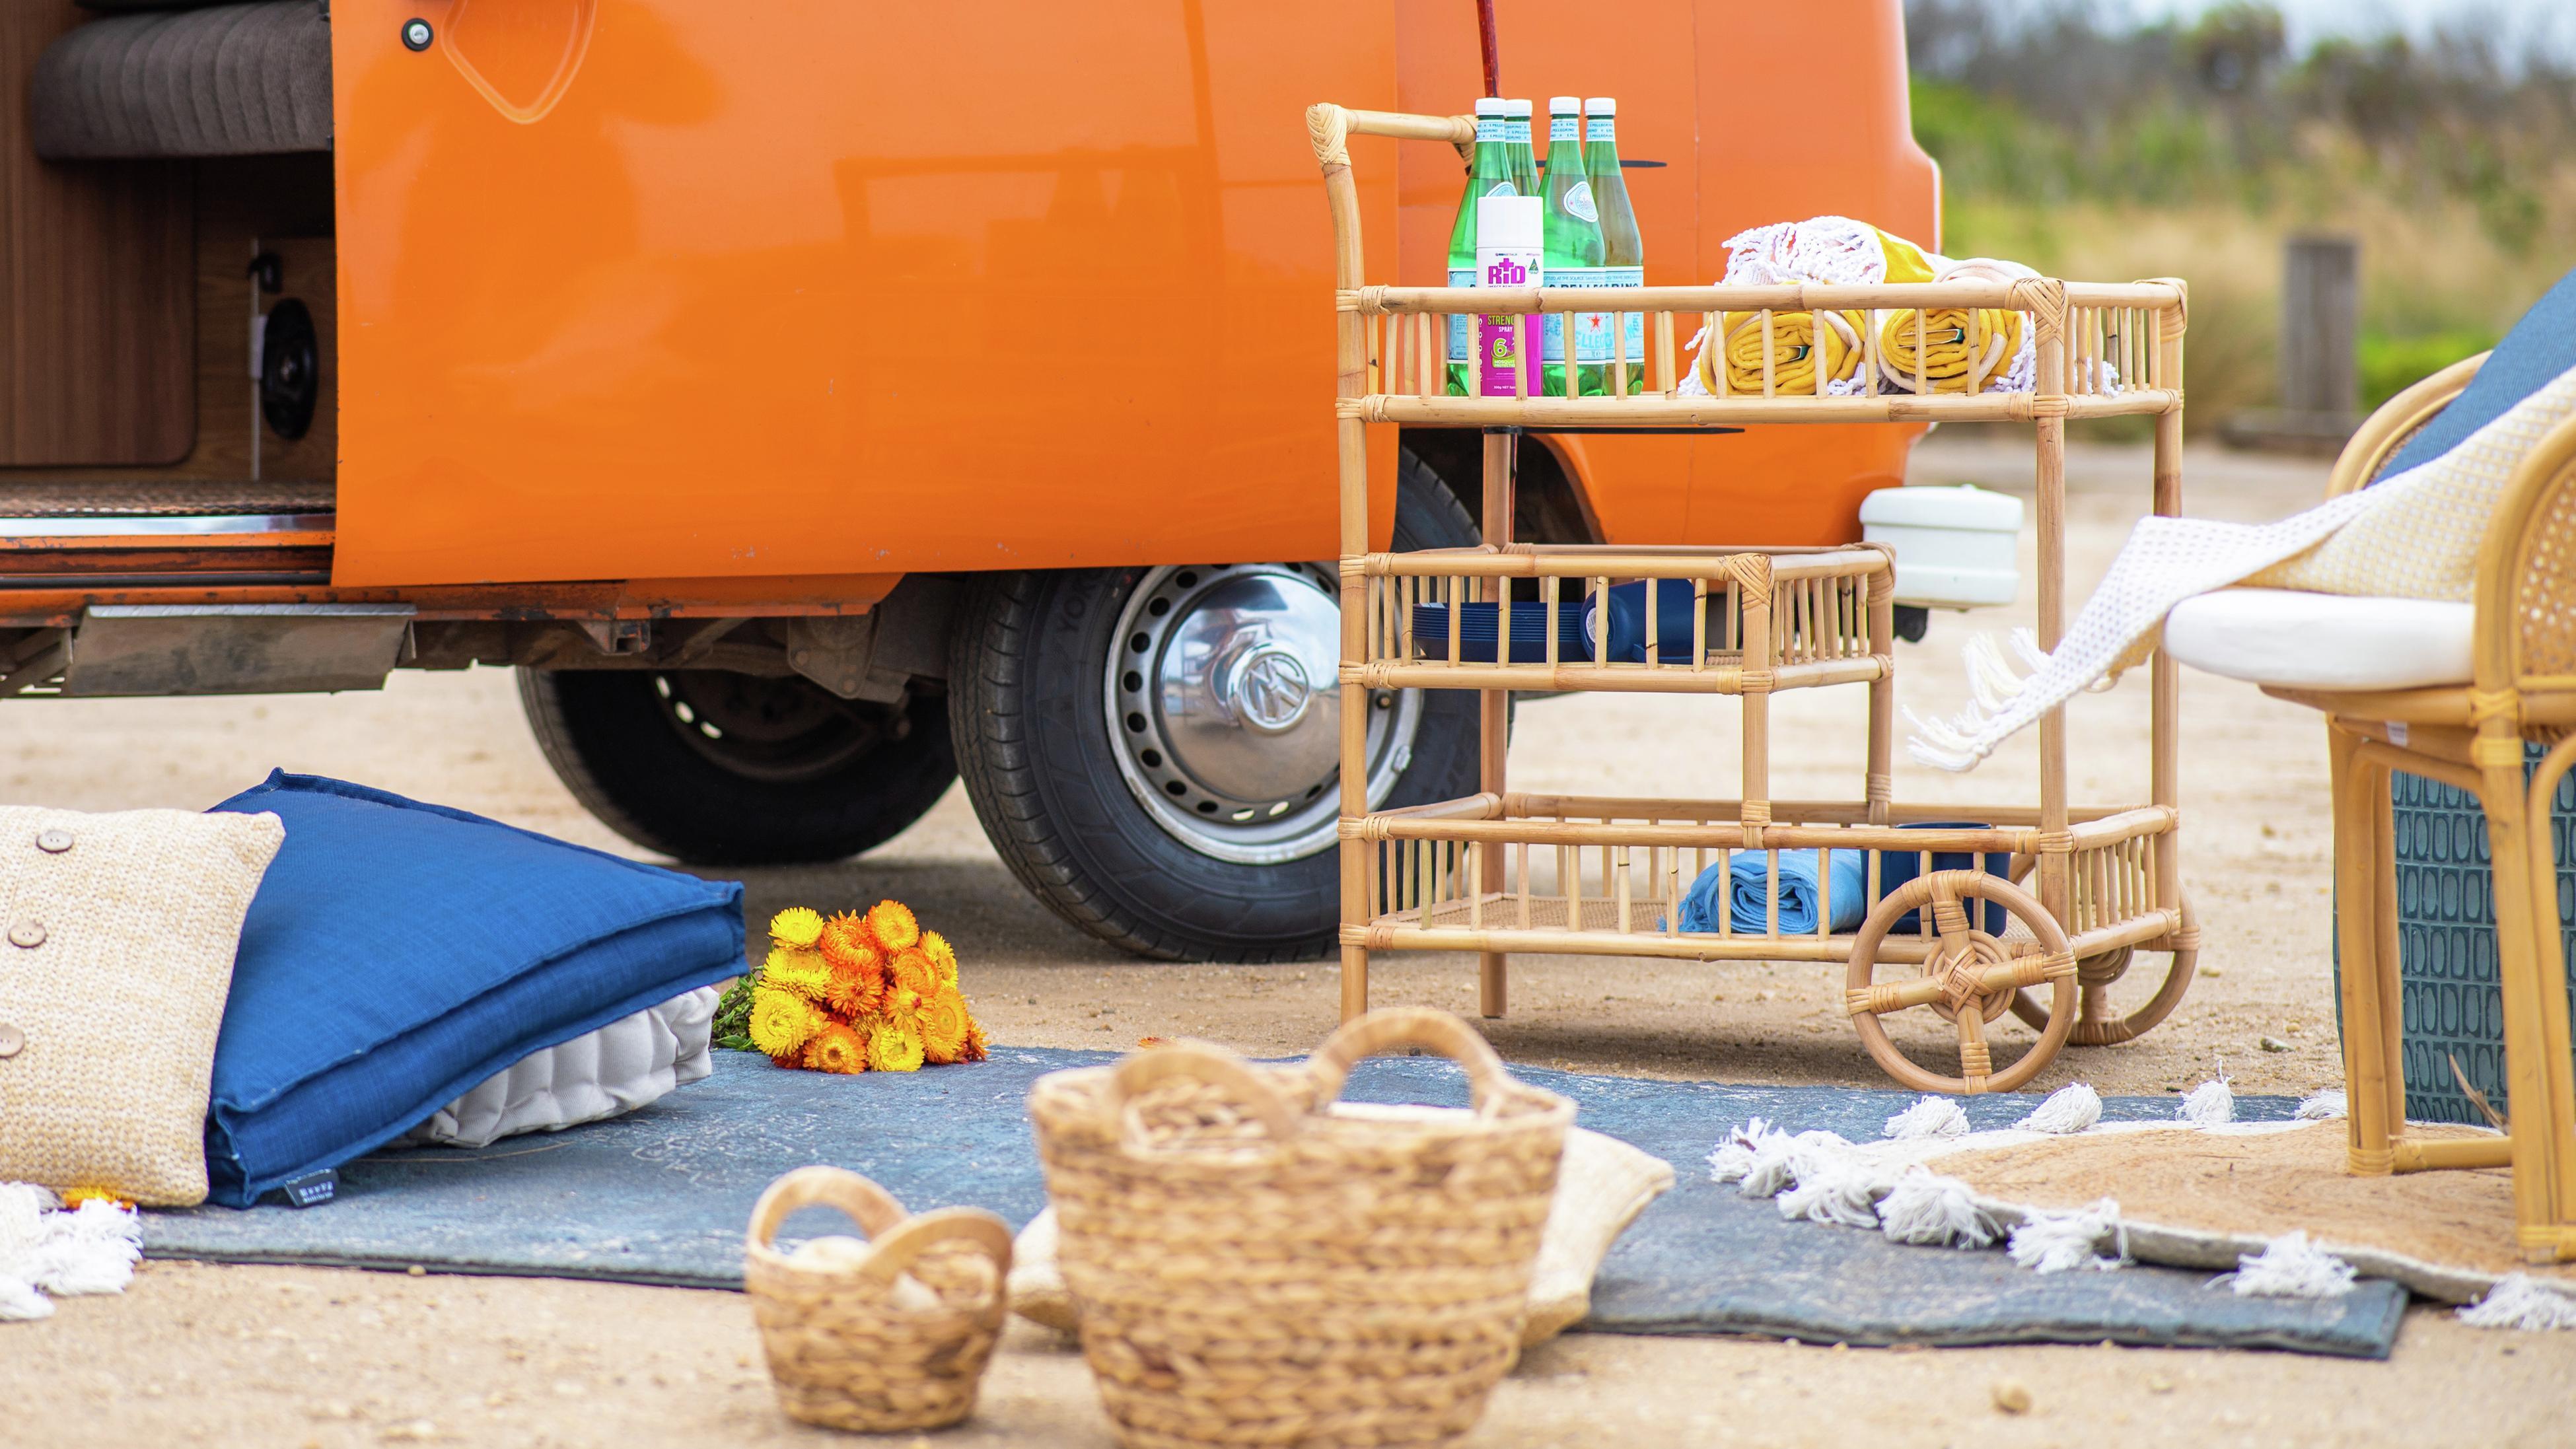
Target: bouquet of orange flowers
852, 993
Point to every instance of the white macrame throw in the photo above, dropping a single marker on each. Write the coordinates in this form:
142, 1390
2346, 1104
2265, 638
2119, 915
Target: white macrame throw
2413, 536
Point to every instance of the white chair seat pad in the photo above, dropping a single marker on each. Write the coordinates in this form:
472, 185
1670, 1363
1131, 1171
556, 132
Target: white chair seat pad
2301, 640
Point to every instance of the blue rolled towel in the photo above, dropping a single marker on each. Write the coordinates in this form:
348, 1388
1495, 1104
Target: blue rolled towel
1480, 627
1744, 885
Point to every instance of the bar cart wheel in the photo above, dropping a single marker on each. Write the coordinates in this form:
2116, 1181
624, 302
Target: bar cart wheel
2097, 1021
1965, 967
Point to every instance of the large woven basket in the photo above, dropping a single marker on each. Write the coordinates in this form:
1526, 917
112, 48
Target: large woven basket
883, 1335
1251, 1270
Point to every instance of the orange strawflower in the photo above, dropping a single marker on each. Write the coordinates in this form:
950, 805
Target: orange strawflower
944, 1024
937, 948
892, 924
837, 1048
846, 943
73, 1197
902, 1007
978, 1046
856, 994
894, 1048
916, 972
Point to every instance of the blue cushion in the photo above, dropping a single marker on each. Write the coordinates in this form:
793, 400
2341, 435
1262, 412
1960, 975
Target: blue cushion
2540, 347
399, 953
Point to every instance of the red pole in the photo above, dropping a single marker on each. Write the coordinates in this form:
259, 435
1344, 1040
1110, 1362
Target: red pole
1493, 56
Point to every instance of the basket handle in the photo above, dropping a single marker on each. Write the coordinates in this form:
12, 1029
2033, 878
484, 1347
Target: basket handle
897, 1237
873, 1208
1200, 1062
897, 1250
1488, 1081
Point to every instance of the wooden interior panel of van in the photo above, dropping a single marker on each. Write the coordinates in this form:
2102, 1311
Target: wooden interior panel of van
97, 318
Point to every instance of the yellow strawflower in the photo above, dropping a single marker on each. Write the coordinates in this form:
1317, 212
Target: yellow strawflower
936, 947
804, 972
893, 1047
796, 927
944, 1026
782, 1022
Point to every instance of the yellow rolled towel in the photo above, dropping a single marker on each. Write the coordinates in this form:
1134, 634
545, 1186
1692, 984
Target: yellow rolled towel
1795, 351
1960, 346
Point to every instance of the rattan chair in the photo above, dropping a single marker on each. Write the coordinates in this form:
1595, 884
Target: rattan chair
2521, 687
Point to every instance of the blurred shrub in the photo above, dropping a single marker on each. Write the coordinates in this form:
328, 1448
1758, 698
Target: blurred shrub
2087, 146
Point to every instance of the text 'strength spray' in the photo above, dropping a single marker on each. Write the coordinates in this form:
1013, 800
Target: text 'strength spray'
1511, 251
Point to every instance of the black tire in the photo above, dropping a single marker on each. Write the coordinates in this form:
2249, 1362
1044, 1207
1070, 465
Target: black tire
1032, 743
808, 777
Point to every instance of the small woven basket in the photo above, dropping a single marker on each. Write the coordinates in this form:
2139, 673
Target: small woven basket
883, 1335
1249, 1269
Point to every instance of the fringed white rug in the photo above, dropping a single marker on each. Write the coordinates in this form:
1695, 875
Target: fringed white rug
2266, 1205
46, 1248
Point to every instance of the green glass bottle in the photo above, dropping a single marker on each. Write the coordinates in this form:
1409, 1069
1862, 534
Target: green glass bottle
1490, 174
1623, 250
1573, 254
1516, 135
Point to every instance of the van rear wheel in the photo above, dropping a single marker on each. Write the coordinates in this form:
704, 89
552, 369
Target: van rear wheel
718, 768
1155, 752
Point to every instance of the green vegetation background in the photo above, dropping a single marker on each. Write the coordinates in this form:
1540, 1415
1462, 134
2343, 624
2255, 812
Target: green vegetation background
2088, 148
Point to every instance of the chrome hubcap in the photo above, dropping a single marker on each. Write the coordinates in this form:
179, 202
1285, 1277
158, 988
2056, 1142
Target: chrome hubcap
1224, 699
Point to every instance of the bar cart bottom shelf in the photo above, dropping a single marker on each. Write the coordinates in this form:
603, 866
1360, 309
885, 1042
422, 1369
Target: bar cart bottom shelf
1956, 922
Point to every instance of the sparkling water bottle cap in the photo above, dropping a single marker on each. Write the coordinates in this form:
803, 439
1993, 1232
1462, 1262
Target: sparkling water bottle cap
1602, 106
1563, 105
1491, 105
1516, 108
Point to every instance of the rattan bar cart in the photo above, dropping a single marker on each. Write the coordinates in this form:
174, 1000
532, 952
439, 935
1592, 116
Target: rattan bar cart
1503, 871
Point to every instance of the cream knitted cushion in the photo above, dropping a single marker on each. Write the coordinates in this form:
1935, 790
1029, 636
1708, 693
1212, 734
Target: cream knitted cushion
117, 935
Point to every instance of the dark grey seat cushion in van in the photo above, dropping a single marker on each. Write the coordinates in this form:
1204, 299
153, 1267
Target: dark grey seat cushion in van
224, 80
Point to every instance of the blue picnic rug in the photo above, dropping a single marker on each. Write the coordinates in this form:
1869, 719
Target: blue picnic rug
661, 1196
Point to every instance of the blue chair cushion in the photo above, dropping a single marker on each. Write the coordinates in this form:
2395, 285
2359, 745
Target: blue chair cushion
2540, 347
398, 953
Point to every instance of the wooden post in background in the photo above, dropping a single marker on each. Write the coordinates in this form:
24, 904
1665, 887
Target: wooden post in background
2321, 327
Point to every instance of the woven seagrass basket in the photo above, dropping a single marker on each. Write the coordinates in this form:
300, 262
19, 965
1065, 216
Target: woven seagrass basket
882, 1335
1249, 1269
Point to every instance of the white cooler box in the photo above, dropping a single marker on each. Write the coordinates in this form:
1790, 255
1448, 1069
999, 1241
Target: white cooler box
1957, 547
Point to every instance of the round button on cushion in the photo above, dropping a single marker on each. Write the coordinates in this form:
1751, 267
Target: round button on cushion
12, 1040
53, 842
27, 935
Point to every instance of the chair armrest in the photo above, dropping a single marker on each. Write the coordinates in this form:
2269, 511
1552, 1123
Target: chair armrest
2394, 421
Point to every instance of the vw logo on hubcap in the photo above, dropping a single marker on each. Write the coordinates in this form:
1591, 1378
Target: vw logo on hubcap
1267, 689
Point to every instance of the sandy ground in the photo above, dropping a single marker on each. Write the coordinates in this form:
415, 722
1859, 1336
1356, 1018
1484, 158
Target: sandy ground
293, 1356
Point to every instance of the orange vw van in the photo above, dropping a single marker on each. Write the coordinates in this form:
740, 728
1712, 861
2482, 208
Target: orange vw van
818, 401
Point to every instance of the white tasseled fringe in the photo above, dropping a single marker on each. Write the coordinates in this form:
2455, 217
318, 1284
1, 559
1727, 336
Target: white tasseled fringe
2070, 1109
2290, 1266
1931, 1117
2522, 1302
1930, 1210
1834, 1189
2058, 1242
44, 1249
2325, 1106
2209, 1104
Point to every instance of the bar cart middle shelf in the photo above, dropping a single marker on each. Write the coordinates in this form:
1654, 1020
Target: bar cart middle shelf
2040, 909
